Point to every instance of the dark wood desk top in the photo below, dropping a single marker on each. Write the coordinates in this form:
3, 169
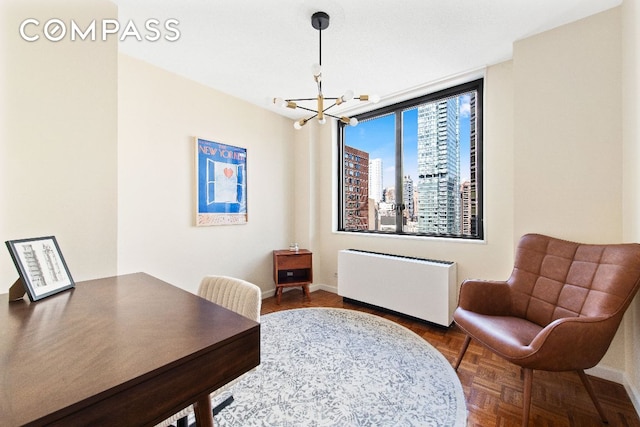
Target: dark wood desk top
128, 349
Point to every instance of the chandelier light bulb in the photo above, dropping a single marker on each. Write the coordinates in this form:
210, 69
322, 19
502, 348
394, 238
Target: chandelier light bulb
322, 120
353, 121
348, 96
297, 125
279, 102
374, 99
316, 69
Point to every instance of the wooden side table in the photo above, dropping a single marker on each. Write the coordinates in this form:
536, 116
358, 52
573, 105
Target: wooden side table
292, 269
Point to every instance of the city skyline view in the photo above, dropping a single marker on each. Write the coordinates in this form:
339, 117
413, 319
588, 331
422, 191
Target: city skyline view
377, 137
435, 191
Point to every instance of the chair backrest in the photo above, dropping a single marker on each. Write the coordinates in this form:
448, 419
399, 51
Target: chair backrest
555, 278
237, 295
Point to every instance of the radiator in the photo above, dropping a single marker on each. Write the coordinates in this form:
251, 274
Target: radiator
421, 288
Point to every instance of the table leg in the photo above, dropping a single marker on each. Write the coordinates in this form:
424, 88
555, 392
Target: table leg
203, 411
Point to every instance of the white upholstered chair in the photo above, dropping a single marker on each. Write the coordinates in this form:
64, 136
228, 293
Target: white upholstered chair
236, 295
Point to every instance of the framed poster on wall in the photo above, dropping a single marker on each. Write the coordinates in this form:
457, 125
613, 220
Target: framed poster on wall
221, 183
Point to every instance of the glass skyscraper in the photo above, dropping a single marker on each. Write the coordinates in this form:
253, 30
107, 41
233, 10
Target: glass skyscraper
438, 184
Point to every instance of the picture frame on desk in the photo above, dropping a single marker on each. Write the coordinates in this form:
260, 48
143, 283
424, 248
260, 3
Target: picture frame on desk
41, 266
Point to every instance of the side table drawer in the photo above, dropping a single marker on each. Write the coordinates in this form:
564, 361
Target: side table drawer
294, 261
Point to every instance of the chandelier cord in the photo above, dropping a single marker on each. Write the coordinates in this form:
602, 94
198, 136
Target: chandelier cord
320, 57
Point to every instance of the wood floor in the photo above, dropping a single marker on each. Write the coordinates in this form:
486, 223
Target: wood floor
493, 387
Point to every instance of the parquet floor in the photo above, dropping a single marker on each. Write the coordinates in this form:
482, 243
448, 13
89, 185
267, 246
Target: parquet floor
493, 387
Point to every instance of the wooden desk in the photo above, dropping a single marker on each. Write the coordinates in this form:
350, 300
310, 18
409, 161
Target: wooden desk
125, 350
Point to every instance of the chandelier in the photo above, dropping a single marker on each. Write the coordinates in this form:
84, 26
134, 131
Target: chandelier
320, 21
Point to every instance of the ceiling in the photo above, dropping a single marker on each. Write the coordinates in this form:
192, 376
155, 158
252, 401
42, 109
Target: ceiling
257, 50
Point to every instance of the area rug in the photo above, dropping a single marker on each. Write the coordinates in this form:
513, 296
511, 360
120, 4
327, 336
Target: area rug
338, 367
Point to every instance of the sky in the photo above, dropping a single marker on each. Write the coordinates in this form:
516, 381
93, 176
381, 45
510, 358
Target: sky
377, 137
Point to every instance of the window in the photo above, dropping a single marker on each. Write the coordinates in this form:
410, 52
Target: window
415, 168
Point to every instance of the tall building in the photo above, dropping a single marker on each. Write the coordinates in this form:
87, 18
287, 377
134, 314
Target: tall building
375, 179
389, 195
465, 206
407, 197
473, 168
439, 167
356, 189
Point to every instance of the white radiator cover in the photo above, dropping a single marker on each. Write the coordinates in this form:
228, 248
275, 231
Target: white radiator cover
421, 288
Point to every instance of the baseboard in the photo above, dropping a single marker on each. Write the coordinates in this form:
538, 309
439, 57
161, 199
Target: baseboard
328, 288
312, 288
634, 395
619, 377
608, 374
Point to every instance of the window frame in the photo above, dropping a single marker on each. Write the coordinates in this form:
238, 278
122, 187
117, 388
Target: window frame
397, 110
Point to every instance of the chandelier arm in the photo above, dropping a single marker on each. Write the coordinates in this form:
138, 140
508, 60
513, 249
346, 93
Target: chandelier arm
310, 99
307, 109
330, 106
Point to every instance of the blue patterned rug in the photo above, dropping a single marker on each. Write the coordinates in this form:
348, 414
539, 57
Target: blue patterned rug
337, 367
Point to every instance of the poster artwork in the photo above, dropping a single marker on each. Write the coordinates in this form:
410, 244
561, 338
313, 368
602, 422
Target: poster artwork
221, 183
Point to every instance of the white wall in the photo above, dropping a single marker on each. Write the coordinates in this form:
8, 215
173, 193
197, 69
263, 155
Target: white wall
159, 115
58, 139
568, 141
631, 177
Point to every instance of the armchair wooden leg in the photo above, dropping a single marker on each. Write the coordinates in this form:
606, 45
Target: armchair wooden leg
463, 350
592, 395
526, 401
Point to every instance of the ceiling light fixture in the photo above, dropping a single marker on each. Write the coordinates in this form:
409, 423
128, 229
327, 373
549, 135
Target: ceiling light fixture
320, 21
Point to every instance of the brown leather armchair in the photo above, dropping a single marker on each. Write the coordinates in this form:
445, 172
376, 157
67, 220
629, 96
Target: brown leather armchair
558, 311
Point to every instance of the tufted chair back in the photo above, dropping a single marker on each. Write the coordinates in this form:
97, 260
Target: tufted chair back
554, 279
